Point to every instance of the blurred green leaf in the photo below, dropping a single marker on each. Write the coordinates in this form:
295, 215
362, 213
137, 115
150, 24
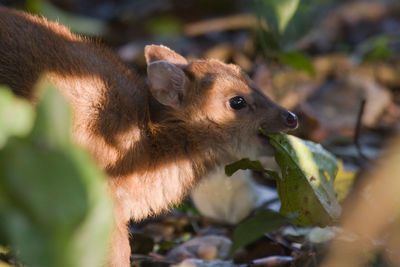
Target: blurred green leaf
167, 245
187, 208
90, 242
376, 48
298, 61
255, 227
290, 20
40, 180
306, 186
55, 208
165, 26
284, 10
16, 116
79, 24
52, 126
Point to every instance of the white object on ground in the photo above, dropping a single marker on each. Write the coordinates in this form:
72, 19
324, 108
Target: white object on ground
230, 199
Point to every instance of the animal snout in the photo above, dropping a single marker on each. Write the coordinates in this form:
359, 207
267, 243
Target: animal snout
290, 120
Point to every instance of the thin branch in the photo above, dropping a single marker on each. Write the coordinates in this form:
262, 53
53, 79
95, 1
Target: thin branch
358, 130
234, 22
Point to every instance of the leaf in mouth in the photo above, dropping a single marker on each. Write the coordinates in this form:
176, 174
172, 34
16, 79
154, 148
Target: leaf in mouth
305, 186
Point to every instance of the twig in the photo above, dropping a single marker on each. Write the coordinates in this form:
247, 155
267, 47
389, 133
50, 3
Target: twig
234, 22
314, 259
358, 130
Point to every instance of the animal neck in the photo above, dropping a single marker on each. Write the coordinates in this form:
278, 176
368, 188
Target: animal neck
161, 144
159, 169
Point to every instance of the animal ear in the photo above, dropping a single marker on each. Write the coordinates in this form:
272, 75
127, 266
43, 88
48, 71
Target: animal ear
159, 52
167, 83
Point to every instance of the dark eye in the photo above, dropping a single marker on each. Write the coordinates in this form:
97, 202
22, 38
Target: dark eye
237, 102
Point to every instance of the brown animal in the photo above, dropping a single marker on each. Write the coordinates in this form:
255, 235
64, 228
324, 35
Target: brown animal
154, 141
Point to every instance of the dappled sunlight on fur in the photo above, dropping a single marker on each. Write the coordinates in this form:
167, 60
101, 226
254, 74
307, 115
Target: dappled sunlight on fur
154, 141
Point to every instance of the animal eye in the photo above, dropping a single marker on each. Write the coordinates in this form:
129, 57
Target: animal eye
237, 102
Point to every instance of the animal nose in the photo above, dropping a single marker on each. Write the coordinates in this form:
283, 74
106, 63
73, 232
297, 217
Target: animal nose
291, 120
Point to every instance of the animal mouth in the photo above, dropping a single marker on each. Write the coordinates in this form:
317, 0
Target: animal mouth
264, 139
266, 148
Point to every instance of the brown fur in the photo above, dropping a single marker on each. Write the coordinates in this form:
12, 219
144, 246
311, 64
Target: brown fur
153, 153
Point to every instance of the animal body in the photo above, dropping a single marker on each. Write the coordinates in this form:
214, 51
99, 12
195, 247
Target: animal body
155, 140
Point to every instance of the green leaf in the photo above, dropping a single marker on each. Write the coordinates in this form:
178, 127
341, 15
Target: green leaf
344, 182
298, 61
306, 186
165, 26
255, 227
247, 164
284, 10
243, 164
55, 208
290, 20
376, 48
52, 125
16, 116
40, 180
98, 223
49, 202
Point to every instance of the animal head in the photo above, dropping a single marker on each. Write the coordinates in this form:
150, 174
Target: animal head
215, 96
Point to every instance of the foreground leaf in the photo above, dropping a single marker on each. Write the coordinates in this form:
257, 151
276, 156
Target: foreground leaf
52, 126
54, 206
255, 227
16, 116
306, 186
40, 181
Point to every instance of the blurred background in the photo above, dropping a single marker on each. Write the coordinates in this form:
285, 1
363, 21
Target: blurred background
335, 63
